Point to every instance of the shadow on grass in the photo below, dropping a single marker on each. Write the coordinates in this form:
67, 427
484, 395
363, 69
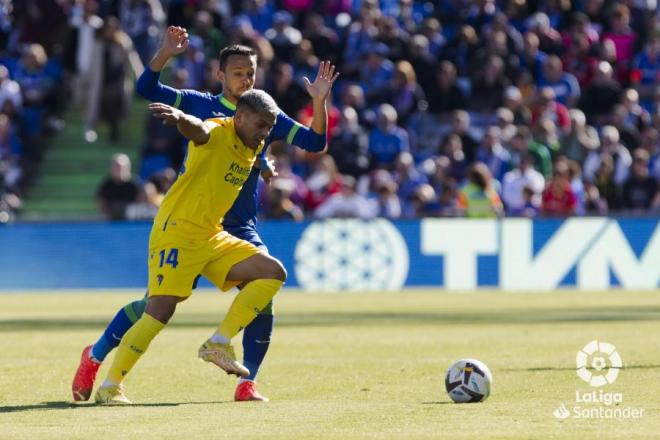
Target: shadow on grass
439, 402
59, 405
357, 318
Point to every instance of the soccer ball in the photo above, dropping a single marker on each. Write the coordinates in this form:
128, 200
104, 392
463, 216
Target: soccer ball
468, 381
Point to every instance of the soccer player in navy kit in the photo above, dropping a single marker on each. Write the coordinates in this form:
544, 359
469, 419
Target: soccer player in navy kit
237, 74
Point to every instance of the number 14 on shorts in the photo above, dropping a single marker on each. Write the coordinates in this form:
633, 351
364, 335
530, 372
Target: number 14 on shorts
170, 257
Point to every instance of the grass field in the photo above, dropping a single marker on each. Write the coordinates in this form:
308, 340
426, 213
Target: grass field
340, 367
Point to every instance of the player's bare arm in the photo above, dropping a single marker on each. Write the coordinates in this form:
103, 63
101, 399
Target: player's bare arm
319, 91
189, 126
175, 42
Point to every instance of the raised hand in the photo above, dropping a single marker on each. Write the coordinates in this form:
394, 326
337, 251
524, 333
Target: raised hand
176, 40
322, 85
168, 114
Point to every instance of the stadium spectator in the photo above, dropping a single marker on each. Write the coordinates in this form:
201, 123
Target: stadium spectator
446, 96
636, 115
210, 37
600, 97
488, 86
142, 21
558, 198
431, 28
283, 36
394, 37
324, 181
385, 190
403, 91
545, 133
422, 203
609, 191
424, 62
580, 140
406, 175
594, 204
347, 203
11, 151
513, 101
349, 146
287, 92
522, 187
85, 24
37, 83
646, 70
505, 118
279, 205
579, 59
477, 198
119, 189
628, 133
323, 38
493, 154
549, 38
532, 58
376, 71
11, 99
522, 144
623, 37
387, 140
640, 191
460, 124
457, 162
304, 59
259, 13
547, 108
650, 141
461, 49
565, 85
611, 146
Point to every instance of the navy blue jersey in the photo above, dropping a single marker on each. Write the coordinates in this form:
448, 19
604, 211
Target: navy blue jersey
204, 106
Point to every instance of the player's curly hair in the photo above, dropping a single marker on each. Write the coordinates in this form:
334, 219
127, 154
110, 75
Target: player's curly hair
235, 49
258, 101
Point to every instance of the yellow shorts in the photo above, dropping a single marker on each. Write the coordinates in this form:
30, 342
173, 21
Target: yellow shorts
175, 260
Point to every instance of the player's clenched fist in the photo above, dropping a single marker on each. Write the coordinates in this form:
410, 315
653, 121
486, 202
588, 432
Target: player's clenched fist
176, 40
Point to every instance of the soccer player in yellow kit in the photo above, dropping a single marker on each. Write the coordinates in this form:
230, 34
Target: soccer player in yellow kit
187, 238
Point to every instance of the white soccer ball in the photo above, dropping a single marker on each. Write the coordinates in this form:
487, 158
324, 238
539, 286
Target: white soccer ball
468, 381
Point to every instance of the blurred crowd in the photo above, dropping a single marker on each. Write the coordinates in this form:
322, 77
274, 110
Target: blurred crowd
475, 108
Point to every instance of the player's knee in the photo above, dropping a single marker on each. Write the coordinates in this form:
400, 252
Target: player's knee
276, 270
162, 307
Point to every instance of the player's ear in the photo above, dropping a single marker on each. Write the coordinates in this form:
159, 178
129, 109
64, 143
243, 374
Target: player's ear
221, 76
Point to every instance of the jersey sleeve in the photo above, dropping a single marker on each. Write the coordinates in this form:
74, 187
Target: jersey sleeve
217, 135
295, 133
151, 89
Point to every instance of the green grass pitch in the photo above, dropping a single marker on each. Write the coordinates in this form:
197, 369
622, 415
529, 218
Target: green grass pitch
341, 366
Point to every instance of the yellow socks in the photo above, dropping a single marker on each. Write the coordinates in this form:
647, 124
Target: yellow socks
248, 303
134, 343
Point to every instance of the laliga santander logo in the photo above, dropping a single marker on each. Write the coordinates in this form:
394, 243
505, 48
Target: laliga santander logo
601, 354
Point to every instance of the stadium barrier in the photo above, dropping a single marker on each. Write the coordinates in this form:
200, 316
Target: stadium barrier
348, 254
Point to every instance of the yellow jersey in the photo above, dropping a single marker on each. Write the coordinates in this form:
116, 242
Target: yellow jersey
211, 178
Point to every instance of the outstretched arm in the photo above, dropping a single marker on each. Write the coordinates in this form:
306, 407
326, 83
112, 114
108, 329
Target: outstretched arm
312, 139
175, 42
189, 126
148, 84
